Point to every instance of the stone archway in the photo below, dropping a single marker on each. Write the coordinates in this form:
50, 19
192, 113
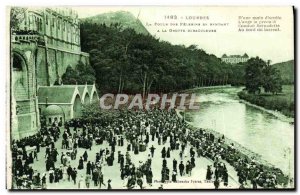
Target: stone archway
77, 107
94, 97
19, 77
87, 99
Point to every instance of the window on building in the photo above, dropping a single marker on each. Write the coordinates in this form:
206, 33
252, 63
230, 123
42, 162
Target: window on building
50, 120
36, 21
40, 25
46, 19
17, 63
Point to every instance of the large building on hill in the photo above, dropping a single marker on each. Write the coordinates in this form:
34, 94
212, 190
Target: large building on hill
45, 43
234, 59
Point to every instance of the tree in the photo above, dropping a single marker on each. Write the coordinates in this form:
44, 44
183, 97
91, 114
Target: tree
86, 73
17, 15
272, 82
254, 74
261, 74
70, 77
82, 74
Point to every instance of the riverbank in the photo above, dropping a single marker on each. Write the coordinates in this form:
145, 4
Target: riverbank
207, 87
277, 114
243, 153
283, 103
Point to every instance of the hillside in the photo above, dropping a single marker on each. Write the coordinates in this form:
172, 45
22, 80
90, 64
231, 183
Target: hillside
287, 71
126, 19
127, 62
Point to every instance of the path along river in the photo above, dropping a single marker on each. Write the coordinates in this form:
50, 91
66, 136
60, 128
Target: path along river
261, 132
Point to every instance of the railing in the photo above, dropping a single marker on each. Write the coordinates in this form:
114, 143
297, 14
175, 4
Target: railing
17, 38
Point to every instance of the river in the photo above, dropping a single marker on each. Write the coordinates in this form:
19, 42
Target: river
257, 130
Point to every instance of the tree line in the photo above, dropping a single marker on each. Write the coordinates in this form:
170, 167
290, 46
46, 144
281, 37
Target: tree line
124, 61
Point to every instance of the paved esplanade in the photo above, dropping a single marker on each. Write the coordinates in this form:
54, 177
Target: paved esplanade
113, 172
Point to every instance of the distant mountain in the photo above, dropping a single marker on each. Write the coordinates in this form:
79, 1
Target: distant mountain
126, 19
287, 71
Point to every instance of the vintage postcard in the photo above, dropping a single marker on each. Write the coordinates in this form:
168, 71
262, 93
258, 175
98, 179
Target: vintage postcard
151, 98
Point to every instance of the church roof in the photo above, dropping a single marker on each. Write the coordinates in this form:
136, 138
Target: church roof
56, 94
245, 55
81, 89
90, 88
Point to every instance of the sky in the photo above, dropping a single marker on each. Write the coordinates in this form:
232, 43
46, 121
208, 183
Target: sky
276, 46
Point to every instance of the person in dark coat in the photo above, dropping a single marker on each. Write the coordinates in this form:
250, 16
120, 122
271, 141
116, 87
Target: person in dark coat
216, 183
253, 181
56, 176
193, 162
181, 168
167, 174
61, 158
85, 156
122, 161
119, 156
95, 177
51, 176
187, 167
44, 182
30, 157
69, 172
192, 152
163, 152
88, 168
164, 164
129, 147
74, 175
80, 166
159, 140
152, 149
149, 177
147, 138
174, 164
209, 173
225, 176
109, 185
163, 175
174, 176
168, 153
136, 150
122, 141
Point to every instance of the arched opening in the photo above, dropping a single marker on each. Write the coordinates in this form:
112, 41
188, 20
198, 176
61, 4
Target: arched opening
95, 97
86, 99
19, 78
77, 107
